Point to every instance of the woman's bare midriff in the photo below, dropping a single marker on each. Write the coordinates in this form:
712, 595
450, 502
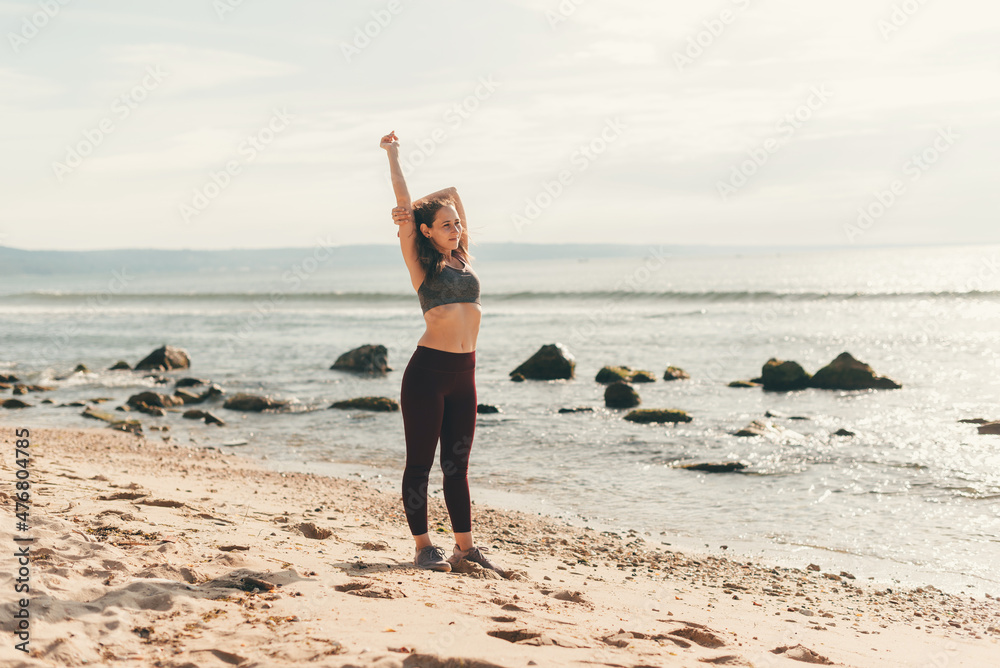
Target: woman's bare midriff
452, 327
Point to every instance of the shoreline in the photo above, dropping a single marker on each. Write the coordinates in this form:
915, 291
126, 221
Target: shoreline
875, 569
152, 571
773, 553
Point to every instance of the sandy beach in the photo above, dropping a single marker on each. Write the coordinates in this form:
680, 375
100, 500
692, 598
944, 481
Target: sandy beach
146, 553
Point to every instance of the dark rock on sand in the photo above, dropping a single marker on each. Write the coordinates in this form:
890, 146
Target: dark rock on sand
367, 359
780, 376
579, 409
15, 403
132, 426
645, 415
675, 373
847, 373
611, 374
154, 399
120, 364
990, 428
165, 358
487, 408
552, 361
368, 404
743, 383
843, 432
714, 467
975, 421
620, 395
252, 402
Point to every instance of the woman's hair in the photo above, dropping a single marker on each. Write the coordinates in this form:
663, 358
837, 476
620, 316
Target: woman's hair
431, 259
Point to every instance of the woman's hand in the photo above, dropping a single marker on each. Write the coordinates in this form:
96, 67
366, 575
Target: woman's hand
402, 215
390, 142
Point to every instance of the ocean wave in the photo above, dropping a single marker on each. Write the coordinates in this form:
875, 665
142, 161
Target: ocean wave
56, 296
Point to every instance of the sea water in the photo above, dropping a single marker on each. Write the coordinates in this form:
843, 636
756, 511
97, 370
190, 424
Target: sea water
913, 496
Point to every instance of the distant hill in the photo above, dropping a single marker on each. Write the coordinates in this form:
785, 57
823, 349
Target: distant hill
145, 260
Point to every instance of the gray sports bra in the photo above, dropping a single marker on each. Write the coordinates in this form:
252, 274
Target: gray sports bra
450, 286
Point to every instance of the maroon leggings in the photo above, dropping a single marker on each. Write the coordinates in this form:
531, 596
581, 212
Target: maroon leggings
438, 400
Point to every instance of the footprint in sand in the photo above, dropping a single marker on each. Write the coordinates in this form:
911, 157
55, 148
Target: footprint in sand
802, 653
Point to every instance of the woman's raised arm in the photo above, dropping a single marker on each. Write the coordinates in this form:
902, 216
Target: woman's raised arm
391, 145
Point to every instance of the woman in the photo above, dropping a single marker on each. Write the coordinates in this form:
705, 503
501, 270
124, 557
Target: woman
438, 392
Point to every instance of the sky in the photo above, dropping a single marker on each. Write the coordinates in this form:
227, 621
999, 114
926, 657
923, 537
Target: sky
217, 124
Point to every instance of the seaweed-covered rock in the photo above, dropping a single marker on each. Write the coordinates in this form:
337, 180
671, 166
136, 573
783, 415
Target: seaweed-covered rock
644, 415
552, 361
675, 373
781, 376
189, 382
620, 395
847, 373
252, 403
164, 358
368, 404
578, 409
369, 359
611, 374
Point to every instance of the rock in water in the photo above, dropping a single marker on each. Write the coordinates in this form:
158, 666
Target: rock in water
781, 376
675, 373
368, 404
551, 362
368, 359
770, 431
154, 399
714, 467
645, 415
252, 402
611, 374
15, 403
164, 358
990, 428
847, 373
620, 395
487, 408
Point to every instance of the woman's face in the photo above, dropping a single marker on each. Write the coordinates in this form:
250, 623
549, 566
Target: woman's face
447, 229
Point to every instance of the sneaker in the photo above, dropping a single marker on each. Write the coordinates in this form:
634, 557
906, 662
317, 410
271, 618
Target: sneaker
474, 554
432, 558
